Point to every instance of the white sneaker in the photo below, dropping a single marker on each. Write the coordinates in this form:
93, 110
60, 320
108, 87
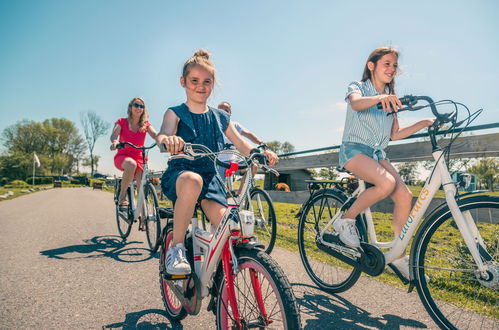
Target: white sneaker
176, 263
348, 232
401, 266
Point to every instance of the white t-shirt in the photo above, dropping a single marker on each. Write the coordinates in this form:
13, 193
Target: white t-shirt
226, 157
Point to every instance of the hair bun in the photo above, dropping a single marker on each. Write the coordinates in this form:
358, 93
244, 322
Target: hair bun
202, 53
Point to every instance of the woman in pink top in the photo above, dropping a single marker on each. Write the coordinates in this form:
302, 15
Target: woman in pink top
132, 129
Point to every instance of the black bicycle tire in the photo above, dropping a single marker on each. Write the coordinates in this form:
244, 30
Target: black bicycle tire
323, 285
163, 249
123, 232
153, 245
284, 290
272, 217
419, 253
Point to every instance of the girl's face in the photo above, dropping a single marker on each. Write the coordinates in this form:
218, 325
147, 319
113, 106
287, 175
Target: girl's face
198, 84
385, 69
137, 108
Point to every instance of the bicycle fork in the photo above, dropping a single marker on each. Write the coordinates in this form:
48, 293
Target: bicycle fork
230, 267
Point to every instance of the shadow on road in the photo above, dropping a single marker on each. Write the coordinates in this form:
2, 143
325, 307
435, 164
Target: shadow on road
146, 319
330, 310
110, 246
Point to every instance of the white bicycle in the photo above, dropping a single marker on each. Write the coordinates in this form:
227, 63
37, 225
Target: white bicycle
454, 259
147, 206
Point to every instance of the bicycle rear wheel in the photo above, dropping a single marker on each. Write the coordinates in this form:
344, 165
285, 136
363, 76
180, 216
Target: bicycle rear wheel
259, 275
124, 217
330, 274
265, 219
152, 220
456, 295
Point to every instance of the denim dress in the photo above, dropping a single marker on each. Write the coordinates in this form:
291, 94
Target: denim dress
207, 129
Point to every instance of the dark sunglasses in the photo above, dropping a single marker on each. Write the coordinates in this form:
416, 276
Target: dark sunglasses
138, 105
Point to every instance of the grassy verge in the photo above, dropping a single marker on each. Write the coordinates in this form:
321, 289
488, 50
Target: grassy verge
20, 191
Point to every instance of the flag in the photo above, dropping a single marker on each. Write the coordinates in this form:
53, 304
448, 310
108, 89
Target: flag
36, 160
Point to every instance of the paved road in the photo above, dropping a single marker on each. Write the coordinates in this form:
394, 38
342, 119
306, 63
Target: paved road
63, 267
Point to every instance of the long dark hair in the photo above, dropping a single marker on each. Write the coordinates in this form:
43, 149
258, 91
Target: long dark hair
374, 57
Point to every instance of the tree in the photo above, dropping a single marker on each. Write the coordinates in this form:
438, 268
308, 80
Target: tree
326, 173
93, 128
281, 147
487, 171
408, 171
56, 141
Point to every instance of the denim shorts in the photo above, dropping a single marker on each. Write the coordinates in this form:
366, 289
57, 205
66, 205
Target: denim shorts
350, 149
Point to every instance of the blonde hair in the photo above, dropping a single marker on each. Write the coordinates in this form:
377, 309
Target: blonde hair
202, 58
143, 117
374, 57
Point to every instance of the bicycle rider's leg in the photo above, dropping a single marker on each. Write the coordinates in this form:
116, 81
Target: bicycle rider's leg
213, 210
129, 165
402, 198
370, 171
188, 187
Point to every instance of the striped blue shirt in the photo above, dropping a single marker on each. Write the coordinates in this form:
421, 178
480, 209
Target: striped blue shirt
371, 127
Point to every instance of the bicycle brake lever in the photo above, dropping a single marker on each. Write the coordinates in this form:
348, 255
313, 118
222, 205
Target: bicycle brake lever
182, 156
271, 170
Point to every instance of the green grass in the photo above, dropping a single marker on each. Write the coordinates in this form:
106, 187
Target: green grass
17, 191
450, 290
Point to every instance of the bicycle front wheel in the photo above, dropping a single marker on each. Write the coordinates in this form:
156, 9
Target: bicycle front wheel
453, 292
124, 217
152, 220
265, 219
328, 273
259, 277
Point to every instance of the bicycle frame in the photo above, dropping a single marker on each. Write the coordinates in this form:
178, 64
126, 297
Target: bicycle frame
209, 248
440, 176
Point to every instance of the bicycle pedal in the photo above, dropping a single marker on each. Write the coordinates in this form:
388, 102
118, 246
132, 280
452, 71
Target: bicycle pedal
332, 238
172, 277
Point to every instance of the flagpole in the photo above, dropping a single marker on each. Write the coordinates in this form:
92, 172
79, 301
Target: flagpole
33, 182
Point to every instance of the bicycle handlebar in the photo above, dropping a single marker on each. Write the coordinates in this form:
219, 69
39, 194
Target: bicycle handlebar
190, 153
411, 100
122, 145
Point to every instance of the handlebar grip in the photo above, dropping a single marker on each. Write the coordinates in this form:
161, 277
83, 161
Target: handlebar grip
407, 100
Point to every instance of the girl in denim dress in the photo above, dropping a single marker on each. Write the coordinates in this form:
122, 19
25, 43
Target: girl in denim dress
367, 133
185, 182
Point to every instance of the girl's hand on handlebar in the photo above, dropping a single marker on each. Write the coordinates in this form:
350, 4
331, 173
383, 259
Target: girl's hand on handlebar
114, 144
271, 156
390, 103
173, 144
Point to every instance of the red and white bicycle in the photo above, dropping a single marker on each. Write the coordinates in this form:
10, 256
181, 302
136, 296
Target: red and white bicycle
248, 288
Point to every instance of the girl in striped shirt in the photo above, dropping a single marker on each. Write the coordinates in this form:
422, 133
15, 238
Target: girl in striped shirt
366, 135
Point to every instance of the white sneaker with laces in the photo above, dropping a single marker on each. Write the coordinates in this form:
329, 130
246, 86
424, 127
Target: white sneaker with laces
402, 266
345, 227
176, 263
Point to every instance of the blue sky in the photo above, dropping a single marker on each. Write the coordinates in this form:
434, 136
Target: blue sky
283, 65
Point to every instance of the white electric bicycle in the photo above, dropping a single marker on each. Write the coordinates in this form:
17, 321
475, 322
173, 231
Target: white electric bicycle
454, 258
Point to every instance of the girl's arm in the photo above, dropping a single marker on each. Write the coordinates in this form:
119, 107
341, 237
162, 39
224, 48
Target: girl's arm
244, 147
360, 103
399, 133
152, 132
166, 136
114, 136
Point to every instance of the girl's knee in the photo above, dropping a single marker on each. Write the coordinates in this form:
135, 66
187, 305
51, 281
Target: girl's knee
190, 180
387, 185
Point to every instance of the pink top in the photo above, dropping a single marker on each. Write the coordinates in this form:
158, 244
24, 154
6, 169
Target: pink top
138, 138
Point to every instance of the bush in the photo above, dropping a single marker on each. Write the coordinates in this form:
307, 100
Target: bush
41, 180
17, 184
4, 181
91, 181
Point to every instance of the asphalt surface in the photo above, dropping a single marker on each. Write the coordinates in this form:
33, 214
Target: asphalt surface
63, 266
